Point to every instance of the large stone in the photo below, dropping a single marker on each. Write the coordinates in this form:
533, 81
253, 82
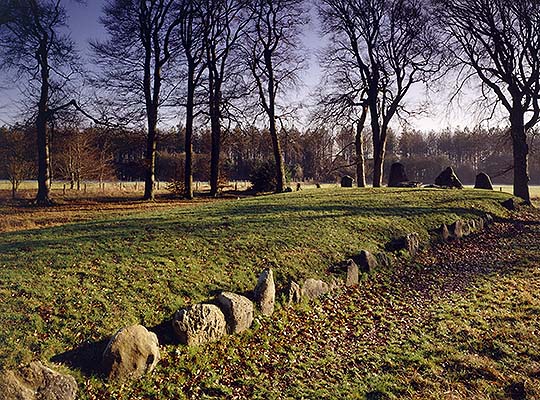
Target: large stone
238, 311
265, 292
483, 181
397, 175
294, 293
36, 382
199, 324
480, 225
347, 181
449, 179
456, 229
367, 261
131, 353
313, 288
352, 273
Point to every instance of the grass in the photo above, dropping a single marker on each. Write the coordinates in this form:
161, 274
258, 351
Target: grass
68, 286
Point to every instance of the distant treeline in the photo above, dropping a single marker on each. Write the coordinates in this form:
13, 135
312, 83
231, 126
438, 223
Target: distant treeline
317, 155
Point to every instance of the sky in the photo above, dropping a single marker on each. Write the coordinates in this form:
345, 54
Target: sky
84, 26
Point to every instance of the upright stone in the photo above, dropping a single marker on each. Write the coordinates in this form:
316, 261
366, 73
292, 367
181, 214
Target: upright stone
238, 311
352, 273
131, 353
483, 181
36, 382
456, 229
265, 292
444, 233
347, 181
199, 324
367, 261
448, 178
397, 175
313, 288
294, 293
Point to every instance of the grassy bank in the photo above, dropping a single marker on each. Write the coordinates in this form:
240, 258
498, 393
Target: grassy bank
64, 286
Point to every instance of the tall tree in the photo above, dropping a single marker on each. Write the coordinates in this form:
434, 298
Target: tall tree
33, 43
274, 60
224, 22
499, 40
389, 45
189, 13
133, 60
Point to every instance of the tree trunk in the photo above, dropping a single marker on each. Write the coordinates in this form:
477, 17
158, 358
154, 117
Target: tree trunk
44, 177
359, 145
378, 155
520, 153
188, 170
215, 127
278, 158
150, 160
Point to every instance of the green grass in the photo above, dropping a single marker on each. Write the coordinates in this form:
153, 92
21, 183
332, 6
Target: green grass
65, 286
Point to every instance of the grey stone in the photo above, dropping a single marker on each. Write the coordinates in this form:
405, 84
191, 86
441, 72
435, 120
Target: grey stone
367, 261
384, 259
397, 175
313, 288
480, 224
483, 181
456, 229
347, 181
199, 324
36, 382
449, 179
412, 243
131, 353
443, 232
238, 311
488, 219
294, 293
352, 273
265, 292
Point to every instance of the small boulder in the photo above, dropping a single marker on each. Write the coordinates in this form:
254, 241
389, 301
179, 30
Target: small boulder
509, 204
199, 324
131, 353
397, 175
367, 261
488, 219
36, 382
347, 181
238, 311
352, 273
409, 242
265, 292
483, 181
313, 288
480, 224
449, 179
456, 229
294, 293
444, 233
384, 259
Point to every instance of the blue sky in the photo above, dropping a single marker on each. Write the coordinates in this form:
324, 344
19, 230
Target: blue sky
84, 26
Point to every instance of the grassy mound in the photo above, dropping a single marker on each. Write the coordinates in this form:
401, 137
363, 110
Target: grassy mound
67, 285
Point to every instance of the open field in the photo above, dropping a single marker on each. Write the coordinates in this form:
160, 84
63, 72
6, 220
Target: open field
71, 285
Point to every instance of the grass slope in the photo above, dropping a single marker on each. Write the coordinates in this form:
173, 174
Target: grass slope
68, 285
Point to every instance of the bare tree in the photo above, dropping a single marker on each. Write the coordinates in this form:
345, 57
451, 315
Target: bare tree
33, 45
17, 161
224, 22
133, 60
189, 13
389, 46
274, 60
499, 42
